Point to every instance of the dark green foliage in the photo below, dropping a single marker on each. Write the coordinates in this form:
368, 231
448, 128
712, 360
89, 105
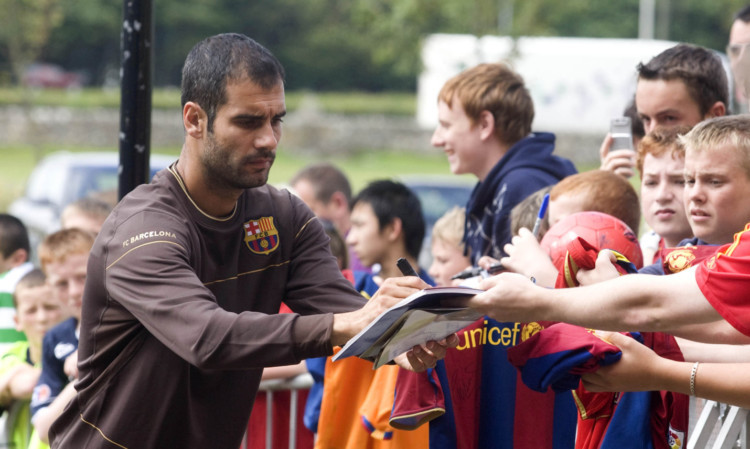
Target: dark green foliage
368, 45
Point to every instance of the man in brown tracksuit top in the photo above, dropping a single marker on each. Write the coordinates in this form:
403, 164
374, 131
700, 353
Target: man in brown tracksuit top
187, 274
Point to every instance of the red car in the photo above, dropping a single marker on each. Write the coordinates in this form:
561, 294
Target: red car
50, 75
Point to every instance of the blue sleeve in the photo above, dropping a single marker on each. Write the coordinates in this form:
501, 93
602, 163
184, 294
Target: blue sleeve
52, 379
519, 184
656, 269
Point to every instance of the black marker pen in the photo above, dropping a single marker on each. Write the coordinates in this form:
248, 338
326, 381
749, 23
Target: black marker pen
406, 267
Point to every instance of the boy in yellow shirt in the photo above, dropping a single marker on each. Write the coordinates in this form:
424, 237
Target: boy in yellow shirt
36, 312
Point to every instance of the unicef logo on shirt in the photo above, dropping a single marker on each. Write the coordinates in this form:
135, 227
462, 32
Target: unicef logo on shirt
63, 350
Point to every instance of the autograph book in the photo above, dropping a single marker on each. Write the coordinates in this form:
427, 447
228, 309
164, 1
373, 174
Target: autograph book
421, 317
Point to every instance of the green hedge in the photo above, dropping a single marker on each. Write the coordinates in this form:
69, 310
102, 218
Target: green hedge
392, 103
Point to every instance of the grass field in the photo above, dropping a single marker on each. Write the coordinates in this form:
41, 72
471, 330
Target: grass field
391, 103
16, 164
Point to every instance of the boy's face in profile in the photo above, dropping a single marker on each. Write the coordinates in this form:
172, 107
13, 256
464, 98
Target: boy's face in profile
460, 140
665, 104
366, 239
36, 311
67, 279
447, 260
716, 192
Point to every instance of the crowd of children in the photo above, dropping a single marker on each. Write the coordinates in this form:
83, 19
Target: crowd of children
38, 359
690, 194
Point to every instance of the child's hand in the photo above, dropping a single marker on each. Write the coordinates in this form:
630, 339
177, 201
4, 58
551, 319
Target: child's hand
527, 257
71, 366
603, 271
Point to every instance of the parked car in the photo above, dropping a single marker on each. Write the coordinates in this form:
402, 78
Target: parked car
63, 177
438, 194
51, 75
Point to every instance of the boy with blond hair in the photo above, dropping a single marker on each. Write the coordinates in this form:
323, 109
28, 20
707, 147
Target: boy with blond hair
63, 256
447, 247
20, 366
717, 178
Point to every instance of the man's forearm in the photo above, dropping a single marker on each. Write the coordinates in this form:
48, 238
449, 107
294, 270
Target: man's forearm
628, 303
636, 303
347, 325
639, 303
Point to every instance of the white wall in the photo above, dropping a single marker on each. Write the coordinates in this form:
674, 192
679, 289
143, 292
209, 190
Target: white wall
577, 84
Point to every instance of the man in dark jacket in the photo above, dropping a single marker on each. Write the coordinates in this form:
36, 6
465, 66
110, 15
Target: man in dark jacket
180, 309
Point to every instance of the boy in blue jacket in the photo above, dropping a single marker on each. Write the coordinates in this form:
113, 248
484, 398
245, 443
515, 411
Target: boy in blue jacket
484, 127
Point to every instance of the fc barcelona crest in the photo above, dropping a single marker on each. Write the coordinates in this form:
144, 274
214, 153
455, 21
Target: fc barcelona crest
261, 236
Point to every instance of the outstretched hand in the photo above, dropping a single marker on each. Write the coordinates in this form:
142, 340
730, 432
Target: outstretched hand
526, 256
621, 162
508, 297
71, 366
637, 369
422, 357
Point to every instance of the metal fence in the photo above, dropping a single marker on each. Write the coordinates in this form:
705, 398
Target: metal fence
294, 385
719, 426
713, 425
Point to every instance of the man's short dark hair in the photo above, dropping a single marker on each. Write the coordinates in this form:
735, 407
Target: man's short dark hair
325, 180
743, 14
215, 61
699, 68
13, 236
390, 200
636, 123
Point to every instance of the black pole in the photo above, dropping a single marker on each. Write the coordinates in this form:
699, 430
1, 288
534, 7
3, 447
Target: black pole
135, 94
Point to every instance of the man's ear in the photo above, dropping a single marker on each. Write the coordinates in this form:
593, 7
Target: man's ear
339, 200
19, 257
394, 230
718, 109
195, 120
486, 124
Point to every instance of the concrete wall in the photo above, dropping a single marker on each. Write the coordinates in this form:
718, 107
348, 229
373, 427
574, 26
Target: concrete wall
305, 132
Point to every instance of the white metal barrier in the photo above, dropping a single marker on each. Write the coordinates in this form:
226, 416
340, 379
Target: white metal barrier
293, 385
731, 434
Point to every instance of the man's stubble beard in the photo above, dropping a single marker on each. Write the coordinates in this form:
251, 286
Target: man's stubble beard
220, 173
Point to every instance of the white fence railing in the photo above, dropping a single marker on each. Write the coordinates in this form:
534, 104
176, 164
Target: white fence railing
732, 431
293, 385
716, 426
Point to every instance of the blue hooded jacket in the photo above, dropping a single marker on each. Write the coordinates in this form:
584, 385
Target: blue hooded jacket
528, 166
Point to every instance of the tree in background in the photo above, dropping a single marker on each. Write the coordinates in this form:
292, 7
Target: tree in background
25, 27
369, 45
88, 40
